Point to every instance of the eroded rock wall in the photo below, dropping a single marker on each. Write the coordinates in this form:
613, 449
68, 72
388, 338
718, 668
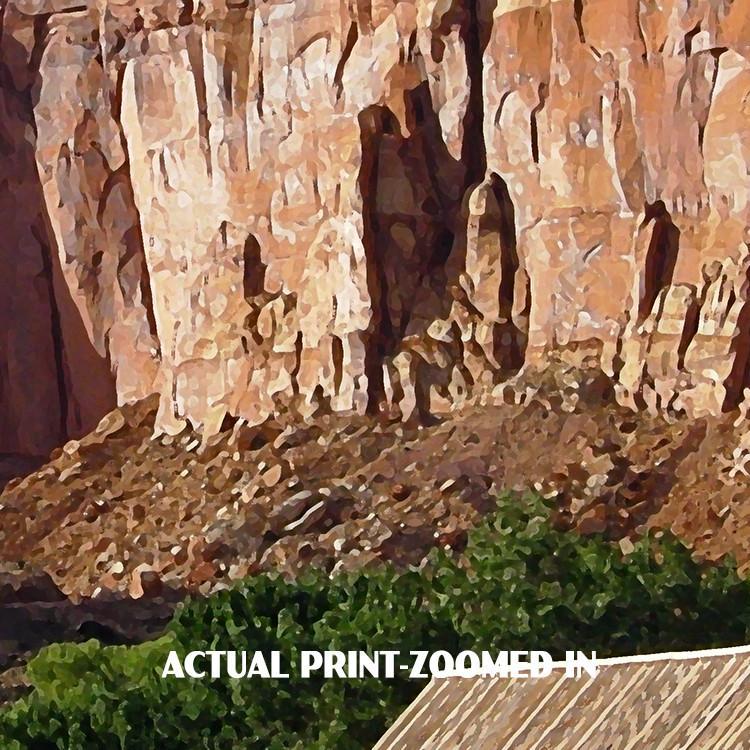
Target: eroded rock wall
53, 383
249, 206
619, 128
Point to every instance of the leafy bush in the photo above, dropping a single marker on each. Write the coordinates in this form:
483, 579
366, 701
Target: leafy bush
520, 584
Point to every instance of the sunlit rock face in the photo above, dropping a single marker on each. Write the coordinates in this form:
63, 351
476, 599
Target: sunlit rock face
246, 207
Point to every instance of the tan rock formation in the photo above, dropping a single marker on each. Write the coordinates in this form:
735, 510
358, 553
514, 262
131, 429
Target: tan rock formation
246, 205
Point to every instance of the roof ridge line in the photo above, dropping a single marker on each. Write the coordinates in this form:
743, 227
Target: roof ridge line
667, 656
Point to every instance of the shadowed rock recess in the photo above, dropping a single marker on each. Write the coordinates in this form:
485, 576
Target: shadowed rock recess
239, 210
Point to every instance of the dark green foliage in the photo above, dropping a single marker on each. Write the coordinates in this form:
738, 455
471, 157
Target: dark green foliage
519, 585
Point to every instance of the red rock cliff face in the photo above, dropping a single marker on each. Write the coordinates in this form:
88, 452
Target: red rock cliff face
243, 206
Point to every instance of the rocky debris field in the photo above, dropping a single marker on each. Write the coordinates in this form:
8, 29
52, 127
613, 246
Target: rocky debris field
124, 510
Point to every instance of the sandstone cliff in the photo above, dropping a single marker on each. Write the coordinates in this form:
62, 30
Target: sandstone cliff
243, 206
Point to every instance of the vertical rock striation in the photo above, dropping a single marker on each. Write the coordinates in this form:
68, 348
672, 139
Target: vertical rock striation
245, 206
53, 381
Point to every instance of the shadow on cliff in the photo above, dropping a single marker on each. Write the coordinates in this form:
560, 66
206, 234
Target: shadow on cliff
413, 193
661, 256
53, 383
416, 208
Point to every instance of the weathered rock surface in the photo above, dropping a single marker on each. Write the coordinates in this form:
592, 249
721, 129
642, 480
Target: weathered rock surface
242, 206
122, 511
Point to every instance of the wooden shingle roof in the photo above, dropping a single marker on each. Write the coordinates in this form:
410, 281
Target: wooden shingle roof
681, 701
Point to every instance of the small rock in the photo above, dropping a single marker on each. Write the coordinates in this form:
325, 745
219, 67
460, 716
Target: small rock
272, 477
626, 546
400, 492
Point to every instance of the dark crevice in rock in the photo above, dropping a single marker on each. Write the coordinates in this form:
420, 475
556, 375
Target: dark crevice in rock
641, 34
261, 83
372, 123
298, 347
253, 286
412, 190
703, 120
689, 38
337, 355
145, 287
661, 256
186, 13
739, 376
338, 76
56, 334
412, 245
534, 125
253, 269
578, 14
499, 222
475, 31
689, 329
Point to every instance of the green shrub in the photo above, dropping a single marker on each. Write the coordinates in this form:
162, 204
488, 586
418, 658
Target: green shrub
520, 584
